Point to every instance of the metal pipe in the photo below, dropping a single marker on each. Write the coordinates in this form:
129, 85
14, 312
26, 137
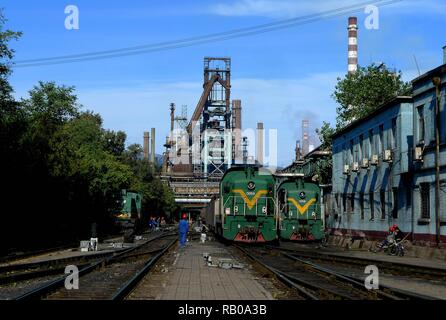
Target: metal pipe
437, 83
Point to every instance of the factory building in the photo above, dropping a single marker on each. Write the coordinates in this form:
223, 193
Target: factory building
390, 167
429, 182
371, 171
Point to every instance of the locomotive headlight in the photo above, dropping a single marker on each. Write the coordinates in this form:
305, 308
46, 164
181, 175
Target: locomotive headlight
227, 211
294, 227
313, 214
235, 209
264, 210
238, 226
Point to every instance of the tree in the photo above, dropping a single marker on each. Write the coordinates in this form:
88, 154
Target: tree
157, 197
61, 170
12, 123
115, 142
6, 55
325, 134
361, 92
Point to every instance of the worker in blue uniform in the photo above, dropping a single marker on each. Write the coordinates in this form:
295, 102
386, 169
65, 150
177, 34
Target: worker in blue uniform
183, 228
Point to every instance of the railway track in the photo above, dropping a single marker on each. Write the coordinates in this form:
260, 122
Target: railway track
315, 282
49, 282
13, 257
391, 267
16, 272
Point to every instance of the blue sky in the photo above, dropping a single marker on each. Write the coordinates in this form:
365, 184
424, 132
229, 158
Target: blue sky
281, 76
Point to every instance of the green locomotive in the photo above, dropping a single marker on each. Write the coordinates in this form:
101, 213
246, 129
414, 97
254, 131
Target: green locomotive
130, 206
299, 209
129, 217
246, 210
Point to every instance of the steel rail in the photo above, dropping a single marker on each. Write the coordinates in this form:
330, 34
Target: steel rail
300, 283
133, 282
388, 265
280, 275
59, 282
383, 291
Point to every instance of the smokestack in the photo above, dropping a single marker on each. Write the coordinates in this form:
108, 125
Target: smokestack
444, 55
152, 145
172, 116
237, 127
352, 45
146, 145
259, 141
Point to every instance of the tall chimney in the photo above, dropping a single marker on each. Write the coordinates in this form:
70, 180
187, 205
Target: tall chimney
152, 145
259, 143
172, 116
146, 145
352, 45
237, 127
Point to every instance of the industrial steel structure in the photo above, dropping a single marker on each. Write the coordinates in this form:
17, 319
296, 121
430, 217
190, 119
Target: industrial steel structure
199, 152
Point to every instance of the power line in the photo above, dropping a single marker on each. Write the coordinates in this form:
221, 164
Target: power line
192, 41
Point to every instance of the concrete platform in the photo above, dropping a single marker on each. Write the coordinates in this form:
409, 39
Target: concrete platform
183, 274
104, 247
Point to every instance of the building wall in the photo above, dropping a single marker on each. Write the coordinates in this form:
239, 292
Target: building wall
406, 185
424, 171
390, 129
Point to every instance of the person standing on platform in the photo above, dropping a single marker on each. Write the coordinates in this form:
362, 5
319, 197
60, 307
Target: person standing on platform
183, 228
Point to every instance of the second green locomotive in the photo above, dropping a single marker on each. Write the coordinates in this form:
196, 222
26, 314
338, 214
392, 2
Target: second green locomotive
299, 207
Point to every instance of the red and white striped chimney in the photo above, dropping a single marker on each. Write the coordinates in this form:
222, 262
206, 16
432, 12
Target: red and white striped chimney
352, 45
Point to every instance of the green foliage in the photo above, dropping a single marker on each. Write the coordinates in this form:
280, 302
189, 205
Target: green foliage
79, 152
6, 54
325, 134
61, 169
11, 116
157, 198
360, 93
114, 142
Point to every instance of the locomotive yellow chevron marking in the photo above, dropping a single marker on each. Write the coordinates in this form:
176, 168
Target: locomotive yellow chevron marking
303, 208
252, 202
